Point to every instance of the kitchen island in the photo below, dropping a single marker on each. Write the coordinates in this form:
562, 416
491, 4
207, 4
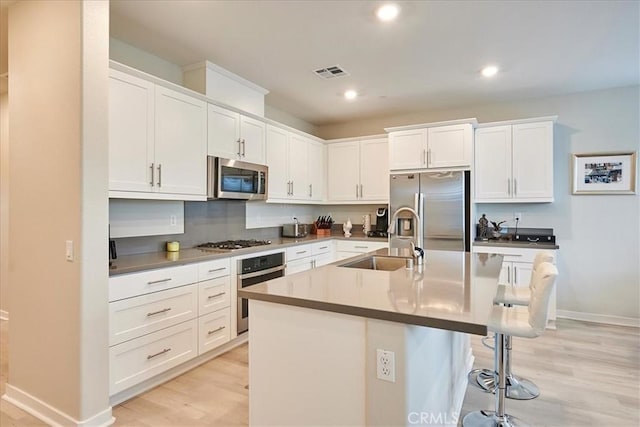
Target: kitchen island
315, 341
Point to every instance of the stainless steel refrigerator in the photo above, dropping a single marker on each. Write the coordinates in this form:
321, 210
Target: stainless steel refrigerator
442, 201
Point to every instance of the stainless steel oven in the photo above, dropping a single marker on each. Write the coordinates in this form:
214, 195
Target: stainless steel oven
252, 271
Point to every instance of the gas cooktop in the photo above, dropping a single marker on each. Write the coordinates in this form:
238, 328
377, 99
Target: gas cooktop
230, 245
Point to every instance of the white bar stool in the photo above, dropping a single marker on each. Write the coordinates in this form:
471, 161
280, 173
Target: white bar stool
517, 387
525, 322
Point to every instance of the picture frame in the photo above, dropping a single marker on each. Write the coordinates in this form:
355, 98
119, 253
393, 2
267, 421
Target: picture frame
604, 173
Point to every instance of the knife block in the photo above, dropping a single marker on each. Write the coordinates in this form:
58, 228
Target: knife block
320, 231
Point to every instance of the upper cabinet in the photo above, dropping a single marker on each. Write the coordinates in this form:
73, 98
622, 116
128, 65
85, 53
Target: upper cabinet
514, 161
431, 146
235, 136
358, 171
157, 141
296, 166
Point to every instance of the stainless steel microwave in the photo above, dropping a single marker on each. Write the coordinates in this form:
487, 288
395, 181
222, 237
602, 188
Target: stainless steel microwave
234, 179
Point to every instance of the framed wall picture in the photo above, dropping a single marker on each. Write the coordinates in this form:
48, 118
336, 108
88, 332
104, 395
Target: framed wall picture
604, 173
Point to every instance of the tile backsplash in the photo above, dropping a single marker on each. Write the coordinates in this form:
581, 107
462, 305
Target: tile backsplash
229, 219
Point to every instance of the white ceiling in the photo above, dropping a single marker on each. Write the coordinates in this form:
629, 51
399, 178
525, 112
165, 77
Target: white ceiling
429, 58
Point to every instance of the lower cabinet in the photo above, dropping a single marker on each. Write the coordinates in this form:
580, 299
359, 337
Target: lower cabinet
153, 329
142, 358
214, 330
349, 248
305, 257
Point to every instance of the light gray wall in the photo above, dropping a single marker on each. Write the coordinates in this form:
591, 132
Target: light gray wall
144, 61
598, 235
285, 118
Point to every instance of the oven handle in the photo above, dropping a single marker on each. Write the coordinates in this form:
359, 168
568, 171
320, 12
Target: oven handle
261, 272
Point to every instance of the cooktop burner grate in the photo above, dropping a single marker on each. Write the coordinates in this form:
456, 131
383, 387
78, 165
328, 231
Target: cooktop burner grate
234, 244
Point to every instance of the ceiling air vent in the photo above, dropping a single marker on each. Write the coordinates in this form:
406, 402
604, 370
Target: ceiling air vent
331, 72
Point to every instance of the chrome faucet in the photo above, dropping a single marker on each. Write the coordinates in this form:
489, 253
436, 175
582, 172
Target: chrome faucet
417, 244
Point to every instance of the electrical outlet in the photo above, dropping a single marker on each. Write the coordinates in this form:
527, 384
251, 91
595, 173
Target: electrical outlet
517, 216
172, 220
386, 365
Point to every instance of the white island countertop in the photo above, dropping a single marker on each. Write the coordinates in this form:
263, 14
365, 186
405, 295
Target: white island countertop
452, 291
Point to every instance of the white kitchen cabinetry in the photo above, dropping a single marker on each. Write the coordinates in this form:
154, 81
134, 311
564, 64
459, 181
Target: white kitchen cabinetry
161, 318
349, 248
296, 166
430, 147
214, 308
233, 135
517, 267
358, 171
514, 162
305, 257
157, 141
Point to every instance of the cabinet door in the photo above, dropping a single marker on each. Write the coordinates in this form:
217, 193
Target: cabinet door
277, 160
181, 143
252, 133
316, 170
298, 265
449, 146
223, 128
343, 171
407, 149
493, 163
298, 165
323, 259
374, 170
505, 274
521, 273
533, 161
131, 139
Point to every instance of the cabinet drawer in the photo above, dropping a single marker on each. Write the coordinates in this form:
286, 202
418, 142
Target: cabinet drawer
213, 295
142, 358
212, 269
512, 254
298, 252
133, 317
134, 284
321, 248
359, 247
214, 330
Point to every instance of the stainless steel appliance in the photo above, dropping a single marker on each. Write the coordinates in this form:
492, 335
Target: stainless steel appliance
233, 179
295, 230
252, 271
442, 201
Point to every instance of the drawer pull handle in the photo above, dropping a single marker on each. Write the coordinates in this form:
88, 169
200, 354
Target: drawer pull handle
216, 295
361, 247
215, 330
164, 310
323, 247
151, 356
217, 269
301, 252
155, 282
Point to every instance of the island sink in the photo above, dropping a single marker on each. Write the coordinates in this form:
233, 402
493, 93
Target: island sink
377, 262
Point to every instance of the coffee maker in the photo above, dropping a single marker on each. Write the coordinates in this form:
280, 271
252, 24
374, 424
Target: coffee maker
382, 223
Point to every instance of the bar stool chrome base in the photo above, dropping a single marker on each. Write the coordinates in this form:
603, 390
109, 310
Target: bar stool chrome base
490, 419
518, 388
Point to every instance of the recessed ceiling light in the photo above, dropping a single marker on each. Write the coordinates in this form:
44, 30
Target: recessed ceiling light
387, 12
489, 71
351, 94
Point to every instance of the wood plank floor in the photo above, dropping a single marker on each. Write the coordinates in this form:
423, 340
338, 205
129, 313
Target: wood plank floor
589, 375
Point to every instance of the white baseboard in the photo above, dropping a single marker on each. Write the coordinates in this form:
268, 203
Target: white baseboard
51, 415
4, 315
599, 318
